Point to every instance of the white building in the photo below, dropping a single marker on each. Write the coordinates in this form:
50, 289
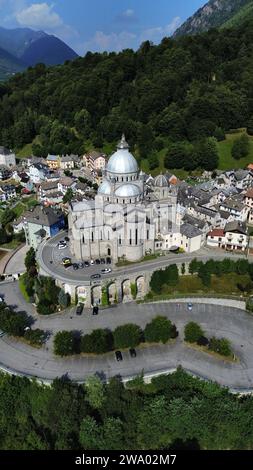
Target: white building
7, 157
233, 238
128, 219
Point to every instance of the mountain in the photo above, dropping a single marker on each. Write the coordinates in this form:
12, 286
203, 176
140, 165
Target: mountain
23, 47
216, 14
9, 65
49, 50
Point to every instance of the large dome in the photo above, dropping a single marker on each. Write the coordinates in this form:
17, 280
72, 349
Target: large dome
128, 190
105, 188
122, 161
161, 181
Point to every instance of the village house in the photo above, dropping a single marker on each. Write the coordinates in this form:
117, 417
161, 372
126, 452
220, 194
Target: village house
95, 160
53, 162
233, 237
7, 157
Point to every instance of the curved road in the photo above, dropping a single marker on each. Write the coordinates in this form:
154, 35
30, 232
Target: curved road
49, 257
221, 321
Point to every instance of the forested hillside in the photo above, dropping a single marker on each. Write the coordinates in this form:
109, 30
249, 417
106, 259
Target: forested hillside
173, 412
182, 91
215, 14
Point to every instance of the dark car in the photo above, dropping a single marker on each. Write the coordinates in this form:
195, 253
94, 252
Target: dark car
95, 276
66, 239
75, 266
86, 264
118, 355
132, 352
95, 310
102, 261
80, 265
97, 261
108, 261
79, 309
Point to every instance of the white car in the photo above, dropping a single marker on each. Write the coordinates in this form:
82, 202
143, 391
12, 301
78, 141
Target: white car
189, 306
61, 246
106, 271
91, 262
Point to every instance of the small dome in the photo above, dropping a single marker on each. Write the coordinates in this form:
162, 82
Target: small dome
128, 190
105, 188
161, 182
122, 161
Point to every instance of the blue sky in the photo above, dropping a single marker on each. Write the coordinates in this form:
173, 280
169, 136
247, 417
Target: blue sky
99, 25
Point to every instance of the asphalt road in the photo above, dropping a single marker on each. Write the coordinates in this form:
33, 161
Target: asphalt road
50, 257
221, 321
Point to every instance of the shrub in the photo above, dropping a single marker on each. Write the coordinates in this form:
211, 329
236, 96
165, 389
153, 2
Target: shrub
221, 346
98, 342
193, 332
45, 307
63, 299
127, 336
13, 323
64, 343
159, 330
35, 337
249, 304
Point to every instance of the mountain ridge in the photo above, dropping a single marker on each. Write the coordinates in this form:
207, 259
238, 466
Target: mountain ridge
25, 47
214, 14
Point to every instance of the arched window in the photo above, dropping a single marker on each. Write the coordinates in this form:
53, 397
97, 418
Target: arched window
92, 236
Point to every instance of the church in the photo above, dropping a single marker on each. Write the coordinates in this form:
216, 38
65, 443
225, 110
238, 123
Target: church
129, 218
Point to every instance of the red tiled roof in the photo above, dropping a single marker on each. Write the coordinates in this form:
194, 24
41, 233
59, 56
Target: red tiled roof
249, 193
217, 232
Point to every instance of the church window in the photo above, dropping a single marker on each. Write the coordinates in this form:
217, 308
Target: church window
147, 234
136, 236
92, 236
83, 239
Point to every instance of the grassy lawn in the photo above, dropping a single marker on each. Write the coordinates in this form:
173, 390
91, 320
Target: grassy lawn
23, 289
12, 245
223, 285
226, 160
122, 263
26, 151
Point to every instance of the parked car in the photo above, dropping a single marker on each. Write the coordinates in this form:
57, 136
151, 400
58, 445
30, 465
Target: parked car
66, 239
1, 299
86, 264
75, 266
132, 352
66, 260
80, 265
91, 262
2, 333
108, 261
106, 271
102, 261
95, 276
97, 261
118, 355
61, 246
189, 306
79, 309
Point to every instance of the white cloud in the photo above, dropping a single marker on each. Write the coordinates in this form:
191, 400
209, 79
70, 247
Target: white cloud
156, 34
39, 15
110, 42
128, 13
127, 16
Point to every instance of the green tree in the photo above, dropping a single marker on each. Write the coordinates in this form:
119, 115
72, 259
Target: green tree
30, 258
193, 332
63, 299
127, 336
160, 329
241, 147
99, 342
64, 343
95, 394
205, 275
221, 346
7, 216
68, 196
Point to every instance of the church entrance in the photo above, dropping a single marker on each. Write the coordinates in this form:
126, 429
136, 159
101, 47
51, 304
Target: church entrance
109, 251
